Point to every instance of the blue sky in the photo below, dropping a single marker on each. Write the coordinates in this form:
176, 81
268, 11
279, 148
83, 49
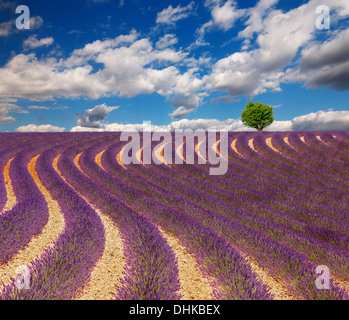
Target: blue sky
97, 65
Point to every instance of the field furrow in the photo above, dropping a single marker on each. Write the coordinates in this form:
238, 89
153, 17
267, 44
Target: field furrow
161, 215
91, 218
108, 272
166, 183
135, 230
169, 198
42, 242
11, 197
193, 284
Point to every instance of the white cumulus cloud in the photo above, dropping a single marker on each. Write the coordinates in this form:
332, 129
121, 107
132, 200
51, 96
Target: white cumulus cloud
41, 128
171, 15
33, 42
322, 121
93, 118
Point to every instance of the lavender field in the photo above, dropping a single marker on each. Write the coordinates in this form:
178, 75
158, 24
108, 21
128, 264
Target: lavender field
87, 226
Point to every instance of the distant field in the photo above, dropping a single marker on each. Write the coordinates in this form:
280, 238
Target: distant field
78, 223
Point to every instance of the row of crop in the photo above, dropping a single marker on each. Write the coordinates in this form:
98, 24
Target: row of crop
338, 154
311, 203
301, 163
328, 164
306, 174
335, 207
322, 233
8, 140
337, 144
30, 214
254, 175
318, 203
10, 145
295, 234
281, 182
333, 146
314, 184
215, 256
299, 221
62, 270
289, 154
343, 136
289, 173
70, 286
5, 156
262, 204
283, 201
230, 227
327, 222
306, 189
151, 271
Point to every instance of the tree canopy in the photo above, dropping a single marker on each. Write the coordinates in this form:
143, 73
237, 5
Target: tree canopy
257, 115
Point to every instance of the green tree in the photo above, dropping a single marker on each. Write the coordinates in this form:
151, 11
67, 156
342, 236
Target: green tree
257, 115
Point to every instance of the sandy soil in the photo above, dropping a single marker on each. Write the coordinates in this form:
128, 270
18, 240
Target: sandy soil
11, 197
216, 149
197, 150
107, 275
233, 146
251, 145
270, 145
119, 158
159, 153
194, 286
319, 138
179, 152
286, 140
138, 156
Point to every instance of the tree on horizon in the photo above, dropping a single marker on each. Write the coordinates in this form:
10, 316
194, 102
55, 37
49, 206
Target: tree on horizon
257, 115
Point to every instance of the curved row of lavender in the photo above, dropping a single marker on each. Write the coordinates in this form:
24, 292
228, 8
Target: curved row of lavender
6, 154
343, 136
338, 210
329, 169
30, 214
315, 148
317, 186
258, 242
287, 211
249, 174
151, 270
217, 258
10, 145
323, 212
244, 190
338, 146
293, 174
255, 170
338, 151
61, 271
258, 176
